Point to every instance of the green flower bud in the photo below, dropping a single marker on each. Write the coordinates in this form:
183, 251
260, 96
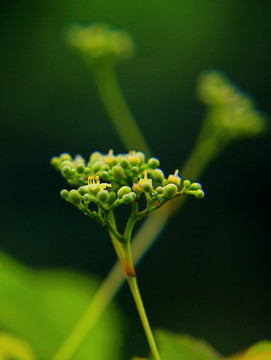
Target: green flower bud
160, 190
95, 156
199, 194
79, 159
80, 168
65, 156
142, 156
124, 163
186, 183
66, 170
105, 167
104, 175
103, 195
66, 163
65, 194
55, 162
97, 166
158, 175
134, 160
87, 171
123, 190
147, 187
135, 170
86, 199
118, 172
112, 197
75, 197
128, 198
170, 190
83, 190
195, 186
153, 163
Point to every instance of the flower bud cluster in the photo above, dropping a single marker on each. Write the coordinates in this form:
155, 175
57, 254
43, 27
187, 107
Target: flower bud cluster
159, 189
97, 193
100, 42
110, 180
230, 110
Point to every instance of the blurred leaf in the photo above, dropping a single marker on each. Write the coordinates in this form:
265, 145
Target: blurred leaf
42, 307
183, 347
12, 347
259, 351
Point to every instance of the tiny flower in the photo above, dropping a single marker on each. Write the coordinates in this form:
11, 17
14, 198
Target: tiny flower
145, 180
94, 184
175, 179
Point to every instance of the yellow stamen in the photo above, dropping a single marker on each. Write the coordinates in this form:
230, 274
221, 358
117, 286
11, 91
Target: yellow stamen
95, 183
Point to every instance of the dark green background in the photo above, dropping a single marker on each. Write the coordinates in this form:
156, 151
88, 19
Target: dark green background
209, 273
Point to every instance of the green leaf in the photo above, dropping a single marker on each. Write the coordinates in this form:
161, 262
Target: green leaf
12, 347
258, 351
42, 307
183, 347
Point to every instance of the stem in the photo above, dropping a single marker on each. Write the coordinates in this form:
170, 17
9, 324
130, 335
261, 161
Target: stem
118, 110
143, 316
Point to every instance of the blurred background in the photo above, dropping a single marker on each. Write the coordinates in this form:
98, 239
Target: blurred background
209, 273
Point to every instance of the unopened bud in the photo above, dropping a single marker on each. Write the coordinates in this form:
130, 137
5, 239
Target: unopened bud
75, 197
199, 194
158, 175
86, 199
104, 175
195, 186
80, 168
65, 156
186, 183
55, 162
118, 172
103, 196
135, 170
124, 163
160, 190
83, 190
112, 197
128, 198
147, 187
170, 190
123, 190
66, 170
64, 194
153, 163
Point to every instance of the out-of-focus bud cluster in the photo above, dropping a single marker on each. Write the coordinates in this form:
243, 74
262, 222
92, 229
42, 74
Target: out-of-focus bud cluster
110, 180
99, 43
230, 111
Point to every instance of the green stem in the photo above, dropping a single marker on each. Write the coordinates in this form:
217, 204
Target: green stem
143, 316
118, 110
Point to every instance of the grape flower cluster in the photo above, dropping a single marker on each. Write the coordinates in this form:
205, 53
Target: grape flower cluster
109, 180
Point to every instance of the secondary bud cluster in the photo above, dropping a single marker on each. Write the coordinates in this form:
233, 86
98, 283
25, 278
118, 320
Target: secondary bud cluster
230, 110
100, 42
109, 180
